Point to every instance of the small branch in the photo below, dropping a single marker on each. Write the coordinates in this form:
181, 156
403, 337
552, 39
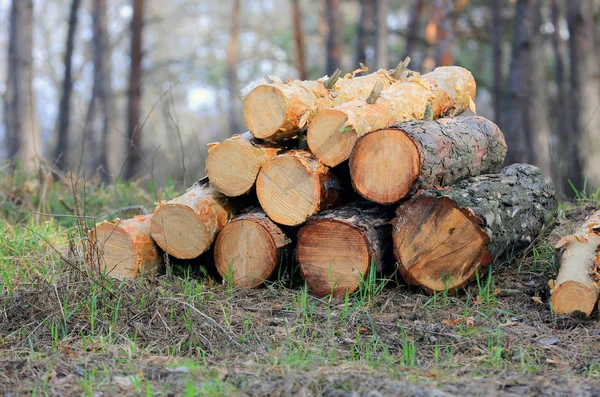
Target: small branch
397, 73
428, 114
375, 93
330, 83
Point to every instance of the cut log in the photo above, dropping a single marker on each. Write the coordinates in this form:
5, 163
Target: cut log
333, 132
280, 110
233, 165
186, 226
443, 238
126, 249
576, 287
294, 186
336, 248
249, 248
388, 164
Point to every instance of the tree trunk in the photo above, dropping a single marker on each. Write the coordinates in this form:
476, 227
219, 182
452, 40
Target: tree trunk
333, 132
294, 186
126, 248
416, 10
585, 94
232, 50
134, 94
61, 152
444, 238
382, 53
334, 35
233, 165
337, 248
186, 226
389, 164
366, 33
21, 128
444, 10
497, 36
299, 39
576, 288
249, 249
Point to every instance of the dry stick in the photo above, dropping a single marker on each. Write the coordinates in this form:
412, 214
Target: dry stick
375, 93
330, 83
428, 114
397, 74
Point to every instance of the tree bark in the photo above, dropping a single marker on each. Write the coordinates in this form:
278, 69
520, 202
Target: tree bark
444, 238
389, 164
334, 35
337, 248
584, 95
366, 33
382, 52
444, 10
249, 249
497, 33
299, 39
413, 30
576, 287
21, 127
61, 152
232, 50
333, 132
134, 95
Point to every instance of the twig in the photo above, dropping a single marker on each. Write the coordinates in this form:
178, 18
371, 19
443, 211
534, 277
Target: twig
330, 83
397, 73
375, 93
428, 113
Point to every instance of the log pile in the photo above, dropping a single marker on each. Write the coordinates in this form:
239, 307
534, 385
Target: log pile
388, 179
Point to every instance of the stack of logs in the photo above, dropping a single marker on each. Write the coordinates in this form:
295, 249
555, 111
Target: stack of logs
346, 175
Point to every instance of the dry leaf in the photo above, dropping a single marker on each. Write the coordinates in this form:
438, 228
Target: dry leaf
564, 241
581, 239
508, 324
552, 361
537, 299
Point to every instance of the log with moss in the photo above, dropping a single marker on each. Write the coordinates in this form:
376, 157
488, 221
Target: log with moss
295, 185
186, 226
249, 249
388, 164
443, 238
337, 248
576, 287
333, 132
233, 165
125, 248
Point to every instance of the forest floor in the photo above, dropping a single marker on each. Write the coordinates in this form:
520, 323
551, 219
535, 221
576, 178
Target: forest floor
64, 331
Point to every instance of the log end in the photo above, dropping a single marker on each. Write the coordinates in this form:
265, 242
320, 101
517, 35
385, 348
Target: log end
437, 245
119, 255
384, 165
180, 231
246, 252
233, 165
571, 296
329, 138
264, 111
333, 257
288, 191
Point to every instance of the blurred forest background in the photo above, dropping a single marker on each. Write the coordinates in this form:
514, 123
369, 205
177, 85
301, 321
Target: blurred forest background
135, 89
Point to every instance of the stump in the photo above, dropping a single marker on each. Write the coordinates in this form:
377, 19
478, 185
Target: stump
443, 237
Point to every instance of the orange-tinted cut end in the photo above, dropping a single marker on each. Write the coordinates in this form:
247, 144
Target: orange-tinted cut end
180, 231
328, 139
233, 166
119, 257
572, 296
265, 109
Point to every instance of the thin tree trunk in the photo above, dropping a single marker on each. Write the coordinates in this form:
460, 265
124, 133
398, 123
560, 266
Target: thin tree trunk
497, 32
445, 32
413, 26
334, 35
585, 94
21, 129
64, 113
232, 50
366, 31
382, 53
299, 38
134, 133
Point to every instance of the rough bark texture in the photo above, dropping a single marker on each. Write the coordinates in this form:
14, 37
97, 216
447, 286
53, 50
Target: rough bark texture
134, 96
299, 39
186, 226
383, 169
333, 132
233, 165
249, 249
576, 287
443, 237
333, 45
61, 151
126, 248
295, 185
336, 248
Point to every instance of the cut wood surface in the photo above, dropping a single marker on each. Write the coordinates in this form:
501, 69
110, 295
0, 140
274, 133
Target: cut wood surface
388, 164
126, 249
186, 226
336, 248
576, 287
249, 248
443, 237
281, 110
233, 165
333, 132
295, 185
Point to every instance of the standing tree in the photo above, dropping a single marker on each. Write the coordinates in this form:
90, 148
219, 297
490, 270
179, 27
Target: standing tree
496, 35
366, 33
334, 34
412, 32
21, 129
443, 16
299, 38
383, 8
134, 94
232, 50
64, 112
583, 153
